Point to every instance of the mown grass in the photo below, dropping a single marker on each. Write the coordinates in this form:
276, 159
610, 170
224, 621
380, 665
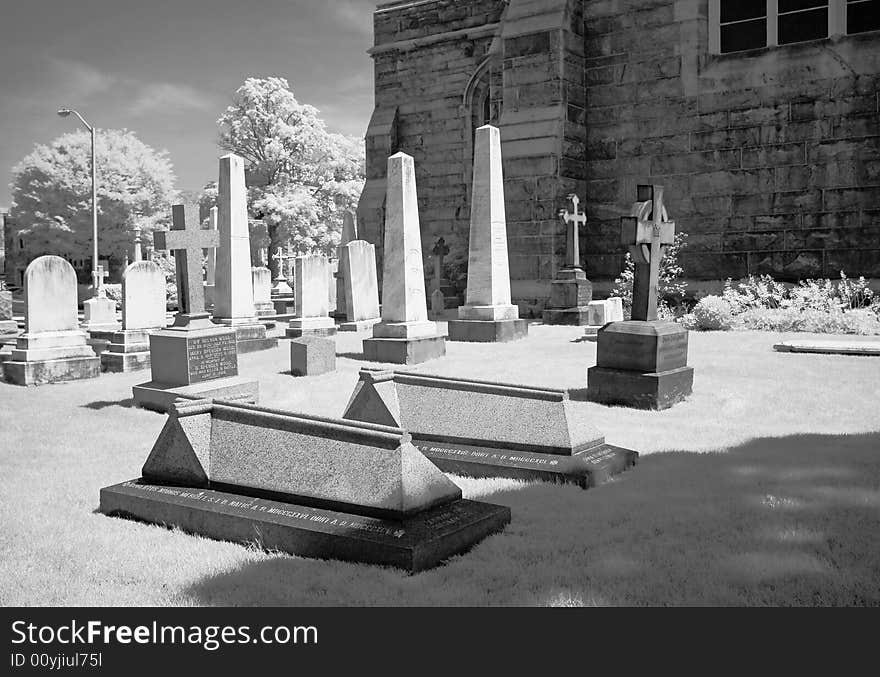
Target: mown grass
762, 488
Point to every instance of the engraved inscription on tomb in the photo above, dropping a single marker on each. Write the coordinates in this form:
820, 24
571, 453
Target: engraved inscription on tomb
211, 357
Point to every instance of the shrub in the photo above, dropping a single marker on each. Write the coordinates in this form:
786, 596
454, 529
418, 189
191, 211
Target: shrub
819, 295
670, 288
712, 313
114, 292
862, 321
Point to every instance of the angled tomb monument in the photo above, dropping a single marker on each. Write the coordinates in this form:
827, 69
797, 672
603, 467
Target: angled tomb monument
310, 486
193, 357
488, 429
642, 362
143, 313
53, 347
405, 335
488, 315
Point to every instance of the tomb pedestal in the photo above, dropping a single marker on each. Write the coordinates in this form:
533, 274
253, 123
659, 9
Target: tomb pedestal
312, 355
192, 360
250, 336
51, 357
641, 364
488, 324
310, 326
128, 350
359, 325
600, 313
99, 315
404, 342
7, 324
285, 307
570, 295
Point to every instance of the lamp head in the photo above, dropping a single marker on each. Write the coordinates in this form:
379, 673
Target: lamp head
64, 112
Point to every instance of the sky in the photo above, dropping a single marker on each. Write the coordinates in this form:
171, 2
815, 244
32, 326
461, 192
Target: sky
167, 69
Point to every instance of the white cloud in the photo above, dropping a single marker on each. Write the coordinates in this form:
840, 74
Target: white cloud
167, 97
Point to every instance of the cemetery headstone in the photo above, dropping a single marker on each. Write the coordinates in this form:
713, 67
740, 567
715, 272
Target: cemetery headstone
643, 362
52, 348
312, 355
143, 313
310, 486
357, 266
405, 335
211, 264
194, 357
349, 234
282, 294
262, 280
311, 273
332, 270
485, 429
488, 315
438, 304
234, 303
600, 313
571, 291
7, 324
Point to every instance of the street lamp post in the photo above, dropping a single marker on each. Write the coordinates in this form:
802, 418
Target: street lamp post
96, 275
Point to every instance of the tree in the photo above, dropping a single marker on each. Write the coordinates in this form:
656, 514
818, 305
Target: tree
51, 194
300, 176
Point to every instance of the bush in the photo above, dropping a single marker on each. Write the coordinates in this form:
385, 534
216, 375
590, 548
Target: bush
820, 295
864, 322
114, 292
671, 287
712, 313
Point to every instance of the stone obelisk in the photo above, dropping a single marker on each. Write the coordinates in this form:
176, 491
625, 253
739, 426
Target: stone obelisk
349, 234
488, 315
405, 335
234, 292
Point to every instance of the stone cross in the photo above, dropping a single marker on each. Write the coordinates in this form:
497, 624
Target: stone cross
187, 240
577, 219
440, 250
279, 258
99, 275
647, 233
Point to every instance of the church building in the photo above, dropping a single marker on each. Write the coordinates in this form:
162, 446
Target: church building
761, 119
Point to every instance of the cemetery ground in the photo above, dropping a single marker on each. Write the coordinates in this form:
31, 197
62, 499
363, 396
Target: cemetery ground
762, 488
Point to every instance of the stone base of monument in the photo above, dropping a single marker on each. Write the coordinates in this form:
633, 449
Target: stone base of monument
51, 357
359, 325
310, 326
284, 305
200, 362
160, 396
404, 350
306, 485
8, 327
99, 315
570, 296
641, 364
312, 355
836, 347
128, 350
249, 336
485, 429
488, 331
415, 544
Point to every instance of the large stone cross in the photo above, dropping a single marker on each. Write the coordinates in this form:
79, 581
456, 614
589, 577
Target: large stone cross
279, 257
577, 219
647, 233
99, 275
187, 240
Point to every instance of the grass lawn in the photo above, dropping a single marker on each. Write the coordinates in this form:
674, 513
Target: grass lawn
762, 488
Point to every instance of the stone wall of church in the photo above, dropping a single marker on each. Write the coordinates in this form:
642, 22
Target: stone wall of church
770, 159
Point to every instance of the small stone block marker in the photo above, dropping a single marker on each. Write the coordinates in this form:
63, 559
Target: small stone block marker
312, 355
309, 486
600, 313
865, 348
488, 315
642, 362
52, 348
485, 429
571, 291
194, 357
143, 313
405, 335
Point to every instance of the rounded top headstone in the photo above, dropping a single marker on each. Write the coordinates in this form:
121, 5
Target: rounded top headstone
50, 300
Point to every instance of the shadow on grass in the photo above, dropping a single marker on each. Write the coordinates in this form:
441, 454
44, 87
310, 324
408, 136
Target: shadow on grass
776, 521
584, 339
98, 405
353, 356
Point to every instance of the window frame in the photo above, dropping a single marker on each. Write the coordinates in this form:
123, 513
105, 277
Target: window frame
836, 25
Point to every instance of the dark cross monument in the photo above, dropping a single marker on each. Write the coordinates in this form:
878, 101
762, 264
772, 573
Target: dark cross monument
194, 357
571, 291
647, 236
440, 250
642, 362
186, 240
